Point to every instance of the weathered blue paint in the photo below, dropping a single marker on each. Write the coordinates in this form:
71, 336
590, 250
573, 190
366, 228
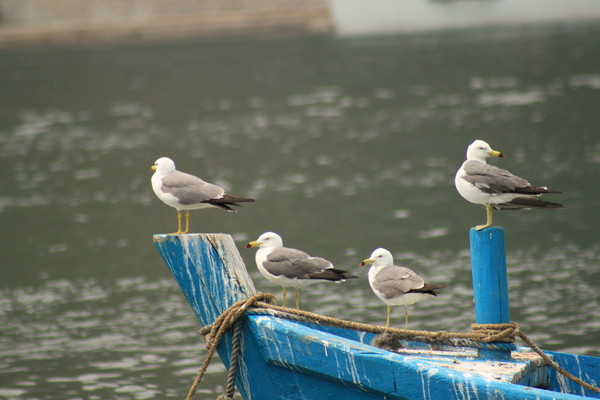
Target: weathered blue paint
197, 262
490, 283
585, 367
366, 371
287, 360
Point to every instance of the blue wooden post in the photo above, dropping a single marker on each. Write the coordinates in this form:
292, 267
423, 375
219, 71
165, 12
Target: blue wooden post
490, 284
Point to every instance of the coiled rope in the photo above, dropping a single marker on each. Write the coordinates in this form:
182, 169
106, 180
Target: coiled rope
481, 336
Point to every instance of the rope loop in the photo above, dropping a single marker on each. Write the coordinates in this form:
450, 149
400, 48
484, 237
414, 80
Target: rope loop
495, 332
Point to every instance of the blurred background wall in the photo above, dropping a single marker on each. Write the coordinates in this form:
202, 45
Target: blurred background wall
35, 21
59, 21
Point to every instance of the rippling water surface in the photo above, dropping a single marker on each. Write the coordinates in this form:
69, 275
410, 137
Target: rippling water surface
347, 145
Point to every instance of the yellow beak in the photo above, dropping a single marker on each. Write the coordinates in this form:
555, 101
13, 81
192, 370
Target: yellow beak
253, 244
496, 154
366, 262
153, 168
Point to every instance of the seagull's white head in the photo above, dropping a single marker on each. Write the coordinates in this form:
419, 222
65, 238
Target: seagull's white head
379, 258
163, 165
267, 239
480, 150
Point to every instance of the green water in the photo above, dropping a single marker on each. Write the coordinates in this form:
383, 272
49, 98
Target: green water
347, 145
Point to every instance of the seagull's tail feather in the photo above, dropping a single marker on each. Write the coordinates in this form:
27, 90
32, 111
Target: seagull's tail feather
535, 190
429, 288
228, 200
332, 274
528, 202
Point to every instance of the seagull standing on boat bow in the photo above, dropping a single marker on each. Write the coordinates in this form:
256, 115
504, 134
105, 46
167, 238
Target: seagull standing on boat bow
288, 267
186, 192
396, 286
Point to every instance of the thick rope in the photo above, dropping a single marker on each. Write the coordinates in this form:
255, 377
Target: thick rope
554, 365
481, 333
217, 329
235, 352
492, 336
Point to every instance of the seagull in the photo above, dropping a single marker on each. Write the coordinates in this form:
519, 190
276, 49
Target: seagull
396, 286
187, 192
494, 187
292, 268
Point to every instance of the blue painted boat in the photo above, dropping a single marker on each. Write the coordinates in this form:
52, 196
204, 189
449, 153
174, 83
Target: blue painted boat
284, 359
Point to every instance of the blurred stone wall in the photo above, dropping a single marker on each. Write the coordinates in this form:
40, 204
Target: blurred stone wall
59, 21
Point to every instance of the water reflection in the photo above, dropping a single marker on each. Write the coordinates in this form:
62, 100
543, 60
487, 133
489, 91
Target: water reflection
347, 146
119, 341
134, 337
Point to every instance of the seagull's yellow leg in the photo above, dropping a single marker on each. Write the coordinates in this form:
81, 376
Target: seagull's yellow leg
488, 213
405, 316
187, 222
297, 299
179, 217
387, 323
284, 294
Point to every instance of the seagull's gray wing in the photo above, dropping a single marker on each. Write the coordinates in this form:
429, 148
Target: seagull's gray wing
293, 263
190, 189
491, 179
395, 281
286, 254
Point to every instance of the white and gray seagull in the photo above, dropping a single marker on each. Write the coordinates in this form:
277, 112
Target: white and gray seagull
288, 267
396, 286
186, 192
493, 187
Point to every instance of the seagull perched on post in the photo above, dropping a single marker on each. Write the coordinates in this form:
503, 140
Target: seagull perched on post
292, 268
494, 187
187, 192
396, 286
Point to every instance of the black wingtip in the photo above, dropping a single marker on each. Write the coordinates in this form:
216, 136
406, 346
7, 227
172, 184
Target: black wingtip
529, 202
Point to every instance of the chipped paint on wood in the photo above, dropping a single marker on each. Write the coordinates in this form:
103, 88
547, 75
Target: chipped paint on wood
209, 270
